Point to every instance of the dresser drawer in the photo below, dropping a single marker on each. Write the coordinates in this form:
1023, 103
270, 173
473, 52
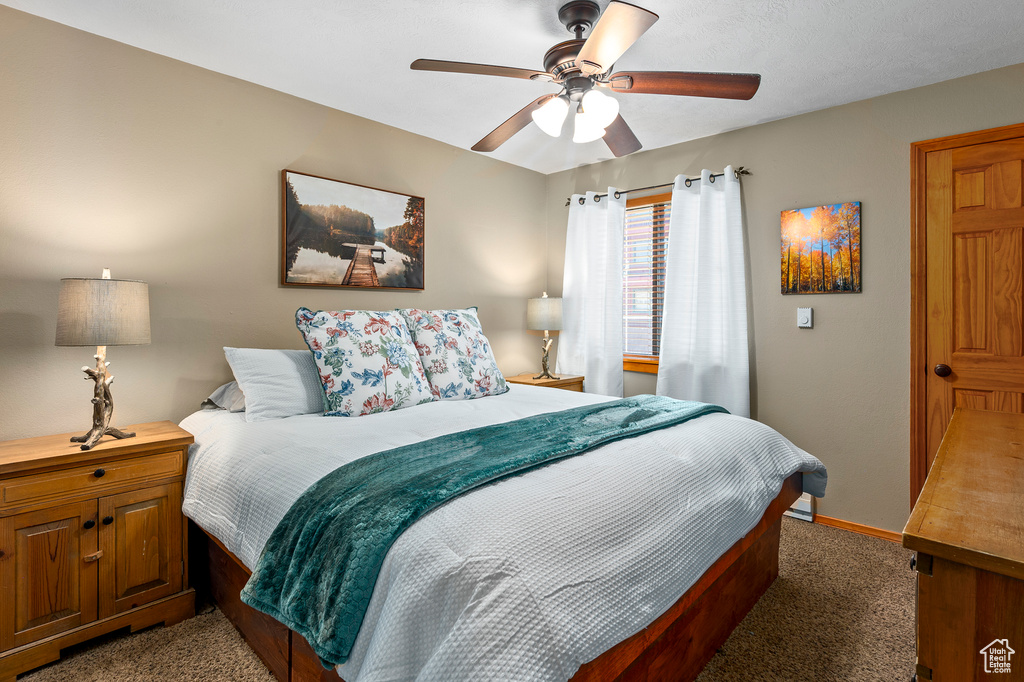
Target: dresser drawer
71, 482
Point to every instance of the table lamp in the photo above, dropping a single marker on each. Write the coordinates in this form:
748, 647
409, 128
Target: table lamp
102, 312
544, 314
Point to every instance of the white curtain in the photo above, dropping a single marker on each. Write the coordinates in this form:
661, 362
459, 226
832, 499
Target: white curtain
704, 329
591, 340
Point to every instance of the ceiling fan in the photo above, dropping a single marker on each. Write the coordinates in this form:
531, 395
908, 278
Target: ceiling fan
583, 69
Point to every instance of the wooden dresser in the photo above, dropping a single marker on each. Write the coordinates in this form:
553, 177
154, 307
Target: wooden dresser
565, 382
90, 541
967, 530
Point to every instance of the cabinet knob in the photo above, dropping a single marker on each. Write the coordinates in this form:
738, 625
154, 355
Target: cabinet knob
1, 553
943, 370
89, 524
107, 520
99, 473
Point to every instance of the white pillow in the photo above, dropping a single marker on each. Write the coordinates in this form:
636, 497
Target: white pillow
228, 397
276, 383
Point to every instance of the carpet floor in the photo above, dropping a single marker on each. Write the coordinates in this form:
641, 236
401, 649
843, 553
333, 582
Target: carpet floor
841, 609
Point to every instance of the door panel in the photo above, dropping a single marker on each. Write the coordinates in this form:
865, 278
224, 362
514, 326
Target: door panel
970, 251
48, 572
141, 548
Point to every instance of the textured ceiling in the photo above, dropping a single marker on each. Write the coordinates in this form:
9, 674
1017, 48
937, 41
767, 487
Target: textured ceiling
355, 56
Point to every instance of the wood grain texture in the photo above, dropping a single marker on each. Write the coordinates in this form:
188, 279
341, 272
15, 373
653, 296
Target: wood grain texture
306, 665
860, 528
144, 543
83, 541
967, 271
668, 649
167, 611
266, 636
970, 509
46, 452
566, 382
72, 481
961, 609
47, 586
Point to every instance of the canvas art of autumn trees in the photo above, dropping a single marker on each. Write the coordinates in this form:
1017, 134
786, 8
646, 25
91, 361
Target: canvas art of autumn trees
821, 249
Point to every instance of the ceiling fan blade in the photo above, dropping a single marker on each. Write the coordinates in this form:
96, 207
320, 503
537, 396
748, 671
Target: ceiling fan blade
620, 138
619, 27
479, 69
689, 83
513, 125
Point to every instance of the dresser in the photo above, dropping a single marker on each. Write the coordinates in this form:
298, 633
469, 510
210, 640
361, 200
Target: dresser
967, 532
90, 541
565, 382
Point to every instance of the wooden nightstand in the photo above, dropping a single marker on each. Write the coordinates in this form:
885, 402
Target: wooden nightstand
90, 541
569, 383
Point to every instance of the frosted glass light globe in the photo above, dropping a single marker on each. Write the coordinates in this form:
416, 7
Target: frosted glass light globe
551, 116
601, 107
587, 129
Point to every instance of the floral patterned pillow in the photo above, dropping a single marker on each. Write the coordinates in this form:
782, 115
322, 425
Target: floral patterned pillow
366, 360
455, 353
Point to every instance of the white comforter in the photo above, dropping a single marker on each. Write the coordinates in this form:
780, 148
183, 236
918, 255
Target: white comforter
526, 578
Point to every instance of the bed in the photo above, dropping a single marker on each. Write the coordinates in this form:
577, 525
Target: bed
633, 561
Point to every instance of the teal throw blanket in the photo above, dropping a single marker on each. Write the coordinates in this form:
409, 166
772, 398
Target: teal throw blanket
319, 567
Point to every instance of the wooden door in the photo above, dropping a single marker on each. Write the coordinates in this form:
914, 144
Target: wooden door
968, 311
141, 548
48, 570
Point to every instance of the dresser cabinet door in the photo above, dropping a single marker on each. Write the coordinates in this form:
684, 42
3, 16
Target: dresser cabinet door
140, 535
48, 572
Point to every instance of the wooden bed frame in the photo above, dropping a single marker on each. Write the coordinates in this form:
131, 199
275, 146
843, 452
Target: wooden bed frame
675, 647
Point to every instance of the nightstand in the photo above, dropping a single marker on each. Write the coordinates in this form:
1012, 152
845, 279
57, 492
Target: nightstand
569, 383
90, 541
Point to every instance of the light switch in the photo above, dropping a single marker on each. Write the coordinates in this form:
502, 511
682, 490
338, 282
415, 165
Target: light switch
805, 318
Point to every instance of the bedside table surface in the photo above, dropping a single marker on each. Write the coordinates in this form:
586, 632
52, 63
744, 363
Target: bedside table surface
25, 454
527, 378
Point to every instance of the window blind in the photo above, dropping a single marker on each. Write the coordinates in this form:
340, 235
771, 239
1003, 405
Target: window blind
646, 238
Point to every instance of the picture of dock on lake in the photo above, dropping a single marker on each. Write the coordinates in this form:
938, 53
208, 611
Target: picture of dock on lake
337, 234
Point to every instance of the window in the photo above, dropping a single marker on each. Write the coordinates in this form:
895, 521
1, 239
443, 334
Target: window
643, 280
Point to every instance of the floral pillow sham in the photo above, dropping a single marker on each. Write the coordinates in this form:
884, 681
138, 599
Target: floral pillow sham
455, 354
366, 360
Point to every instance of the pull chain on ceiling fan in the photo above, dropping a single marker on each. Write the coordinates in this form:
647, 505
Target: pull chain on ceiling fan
583, 69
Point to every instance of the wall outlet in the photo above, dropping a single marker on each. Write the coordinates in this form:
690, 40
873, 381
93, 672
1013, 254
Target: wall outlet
805, 318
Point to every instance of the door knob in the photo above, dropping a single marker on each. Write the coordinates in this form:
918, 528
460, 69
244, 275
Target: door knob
107, 520
89, 524
943, 370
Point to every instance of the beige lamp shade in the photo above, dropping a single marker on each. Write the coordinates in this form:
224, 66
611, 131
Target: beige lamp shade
544, 314
102, 312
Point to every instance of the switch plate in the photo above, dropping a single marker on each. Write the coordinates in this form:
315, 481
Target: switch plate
805, 318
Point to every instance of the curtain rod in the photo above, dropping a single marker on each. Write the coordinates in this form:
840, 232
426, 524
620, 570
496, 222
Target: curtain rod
597, 197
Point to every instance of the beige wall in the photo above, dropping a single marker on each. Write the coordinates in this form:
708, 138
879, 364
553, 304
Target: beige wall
840, 390
115, 157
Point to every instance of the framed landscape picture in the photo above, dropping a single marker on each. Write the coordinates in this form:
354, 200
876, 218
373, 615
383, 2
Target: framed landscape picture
337, 234
821, 249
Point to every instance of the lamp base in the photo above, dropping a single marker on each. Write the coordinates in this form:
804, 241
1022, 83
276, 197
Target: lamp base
546, 346
102, 404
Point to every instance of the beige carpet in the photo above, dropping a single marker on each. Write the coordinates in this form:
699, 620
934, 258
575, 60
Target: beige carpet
842, 609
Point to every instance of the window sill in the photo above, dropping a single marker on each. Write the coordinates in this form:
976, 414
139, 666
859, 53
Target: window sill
636, 363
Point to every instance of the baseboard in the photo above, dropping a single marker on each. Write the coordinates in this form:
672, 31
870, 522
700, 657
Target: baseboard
890, 535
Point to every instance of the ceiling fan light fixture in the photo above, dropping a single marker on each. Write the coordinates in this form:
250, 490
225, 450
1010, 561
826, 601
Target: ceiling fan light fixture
586, 129
551, 116
602, 108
